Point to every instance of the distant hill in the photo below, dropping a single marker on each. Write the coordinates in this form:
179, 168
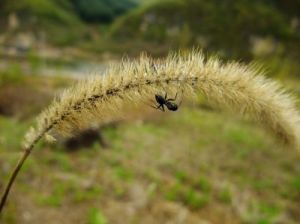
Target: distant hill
63, 21
63, 10
234, 26
55, 11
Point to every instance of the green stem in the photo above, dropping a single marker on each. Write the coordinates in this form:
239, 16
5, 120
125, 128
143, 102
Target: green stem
18, 168
13, 177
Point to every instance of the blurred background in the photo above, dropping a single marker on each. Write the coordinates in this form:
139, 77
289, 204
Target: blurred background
198, 165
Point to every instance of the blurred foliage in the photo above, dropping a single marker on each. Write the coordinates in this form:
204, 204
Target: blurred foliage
96, 217
68, 11
63, 21
237, 29
101, 10
11, 75
54, 10
55, 18
229, 27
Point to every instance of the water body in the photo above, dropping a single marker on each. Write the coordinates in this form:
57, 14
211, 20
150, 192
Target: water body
78, 70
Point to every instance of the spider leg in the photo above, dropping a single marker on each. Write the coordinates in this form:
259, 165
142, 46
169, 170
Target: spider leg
180, 101
152, 101
158, 107
181, 97
155, 107
166, 96
172, 98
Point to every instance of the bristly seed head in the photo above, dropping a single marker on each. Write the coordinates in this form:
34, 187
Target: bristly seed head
123, 89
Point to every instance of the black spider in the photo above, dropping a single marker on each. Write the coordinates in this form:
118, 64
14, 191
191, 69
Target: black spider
165, 101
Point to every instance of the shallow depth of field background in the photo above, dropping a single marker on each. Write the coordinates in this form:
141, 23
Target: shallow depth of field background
198, 165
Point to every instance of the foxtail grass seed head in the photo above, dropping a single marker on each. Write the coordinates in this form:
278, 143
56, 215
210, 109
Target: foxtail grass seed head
126, 87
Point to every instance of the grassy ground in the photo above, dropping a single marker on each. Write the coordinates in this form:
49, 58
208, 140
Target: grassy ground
194, 166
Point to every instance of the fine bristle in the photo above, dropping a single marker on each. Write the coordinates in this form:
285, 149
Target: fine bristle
126, 87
